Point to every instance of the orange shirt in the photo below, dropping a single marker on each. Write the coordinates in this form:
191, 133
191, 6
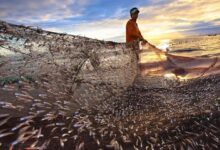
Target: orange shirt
132, 31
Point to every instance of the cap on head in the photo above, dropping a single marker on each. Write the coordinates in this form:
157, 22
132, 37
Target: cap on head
134, 10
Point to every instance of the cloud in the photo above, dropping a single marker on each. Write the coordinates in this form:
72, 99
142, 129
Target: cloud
186, 10
103, 30
178, 16
27, 11
106, 20
159, 19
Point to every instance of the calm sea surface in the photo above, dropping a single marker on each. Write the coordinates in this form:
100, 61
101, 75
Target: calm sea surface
205, 46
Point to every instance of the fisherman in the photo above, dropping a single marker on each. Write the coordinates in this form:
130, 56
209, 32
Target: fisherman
132, 31
134, 36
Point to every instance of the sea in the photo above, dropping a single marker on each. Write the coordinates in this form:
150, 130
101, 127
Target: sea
202, 46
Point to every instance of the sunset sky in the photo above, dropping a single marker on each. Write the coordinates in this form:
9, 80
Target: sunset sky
106, 19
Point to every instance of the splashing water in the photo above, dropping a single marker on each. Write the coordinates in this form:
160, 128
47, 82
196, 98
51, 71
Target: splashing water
164, 44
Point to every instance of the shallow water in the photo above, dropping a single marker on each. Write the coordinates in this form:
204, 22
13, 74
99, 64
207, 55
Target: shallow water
206, 46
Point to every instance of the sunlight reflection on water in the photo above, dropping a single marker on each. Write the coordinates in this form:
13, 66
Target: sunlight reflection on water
204, 49
164, 44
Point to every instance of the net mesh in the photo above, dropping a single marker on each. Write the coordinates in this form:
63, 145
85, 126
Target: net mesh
69, 92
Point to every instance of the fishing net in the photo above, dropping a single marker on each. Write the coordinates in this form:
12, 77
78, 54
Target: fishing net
157, 62
60, 91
